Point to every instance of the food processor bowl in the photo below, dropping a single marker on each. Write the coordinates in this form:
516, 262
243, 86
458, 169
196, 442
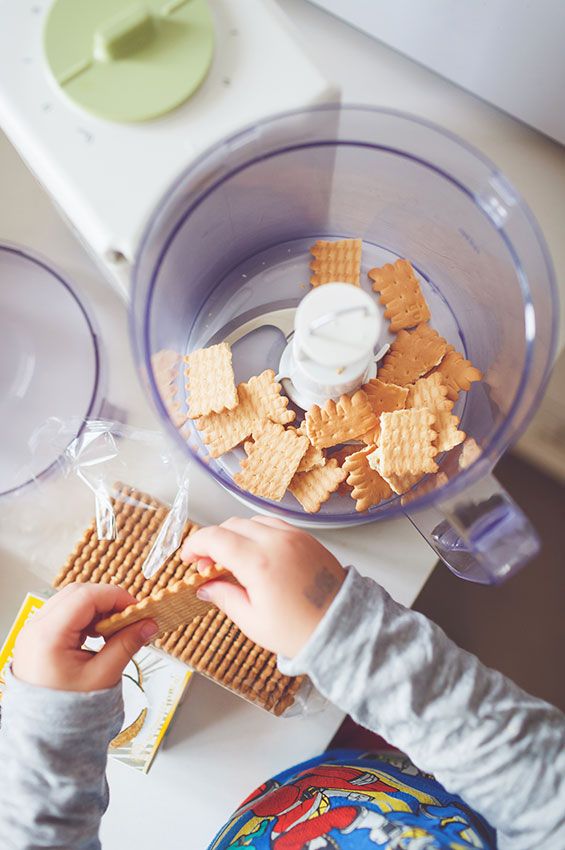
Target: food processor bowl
229, 246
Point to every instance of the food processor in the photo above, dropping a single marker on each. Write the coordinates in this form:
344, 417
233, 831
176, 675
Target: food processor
226, 258
200, 201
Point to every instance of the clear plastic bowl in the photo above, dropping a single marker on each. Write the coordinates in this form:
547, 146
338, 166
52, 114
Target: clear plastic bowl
231, 238
49, 364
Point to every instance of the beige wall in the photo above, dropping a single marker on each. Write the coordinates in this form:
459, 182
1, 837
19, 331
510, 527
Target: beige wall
544, 442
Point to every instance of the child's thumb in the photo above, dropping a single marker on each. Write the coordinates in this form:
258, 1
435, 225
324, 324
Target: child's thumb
229, 597
120, 648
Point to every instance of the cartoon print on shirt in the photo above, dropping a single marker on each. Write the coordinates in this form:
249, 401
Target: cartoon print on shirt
335, 805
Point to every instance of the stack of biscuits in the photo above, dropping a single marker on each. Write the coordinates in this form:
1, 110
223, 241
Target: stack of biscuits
203, 637
399, 421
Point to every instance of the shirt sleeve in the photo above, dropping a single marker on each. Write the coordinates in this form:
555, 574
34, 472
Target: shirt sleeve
53, 747
479, 734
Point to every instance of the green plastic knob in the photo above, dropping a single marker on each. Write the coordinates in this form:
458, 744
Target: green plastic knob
127, 33
128, 61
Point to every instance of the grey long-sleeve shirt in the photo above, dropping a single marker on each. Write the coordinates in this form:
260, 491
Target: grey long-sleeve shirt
53, 747
479, 734
396, 672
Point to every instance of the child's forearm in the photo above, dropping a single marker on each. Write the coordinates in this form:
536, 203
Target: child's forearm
53, 747
481, 736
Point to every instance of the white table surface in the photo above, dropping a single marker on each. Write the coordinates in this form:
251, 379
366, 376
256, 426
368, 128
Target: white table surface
220, 747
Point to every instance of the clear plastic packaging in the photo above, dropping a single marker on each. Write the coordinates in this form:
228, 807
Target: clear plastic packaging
38, 521
133, 540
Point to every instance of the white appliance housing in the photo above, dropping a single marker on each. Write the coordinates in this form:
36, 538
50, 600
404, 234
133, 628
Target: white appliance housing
107, 177
509, 52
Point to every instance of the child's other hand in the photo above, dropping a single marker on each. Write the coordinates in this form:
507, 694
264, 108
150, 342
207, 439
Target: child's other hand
48, 649
288, 580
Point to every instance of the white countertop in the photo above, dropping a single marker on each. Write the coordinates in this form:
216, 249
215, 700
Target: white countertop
220, 747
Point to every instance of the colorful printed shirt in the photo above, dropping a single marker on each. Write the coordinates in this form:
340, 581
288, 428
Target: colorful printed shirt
354, 801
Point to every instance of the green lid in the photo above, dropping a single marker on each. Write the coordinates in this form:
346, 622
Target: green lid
129, 61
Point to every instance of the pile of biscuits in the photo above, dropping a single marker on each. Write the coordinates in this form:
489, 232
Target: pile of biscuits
189, 629
374, 444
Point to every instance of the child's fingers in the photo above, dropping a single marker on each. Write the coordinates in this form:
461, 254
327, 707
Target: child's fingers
245, 527
108, 664
230, 598
202, 564
79, 608
273, 522
223, 546
55, 600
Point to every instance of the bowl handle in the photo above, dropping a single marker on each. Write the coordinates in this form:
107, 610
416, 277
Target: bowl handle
481, 533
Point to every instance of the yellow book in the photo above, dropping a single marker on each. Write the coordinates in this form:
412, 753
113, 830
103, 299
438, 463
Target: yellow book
29, 607
153, 686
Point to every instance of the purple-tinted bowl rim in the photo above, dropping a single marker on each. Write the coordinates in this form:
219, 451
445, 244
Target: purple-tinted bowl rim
498, 442
38, 260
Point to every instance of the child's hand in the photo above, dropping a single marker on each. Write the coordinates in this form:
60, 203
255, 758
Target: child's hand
48, 649
288, 580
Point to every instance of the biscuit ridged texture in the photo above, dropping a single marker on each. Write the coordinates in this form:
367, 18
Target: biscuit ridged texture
315, 487
211, 643
431, 393
272, 461
338, 421
406, 443
383, 398
313, 456
210, 380
457, 373
340, 455
336, 262
166, 365
411, 355
175, 605
401, 295
259, 399
368, 487
448, 433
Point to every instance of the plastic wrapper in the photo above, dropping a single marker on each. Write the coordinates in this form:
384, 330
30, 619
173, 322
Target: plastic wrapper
139, 493
39, 520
